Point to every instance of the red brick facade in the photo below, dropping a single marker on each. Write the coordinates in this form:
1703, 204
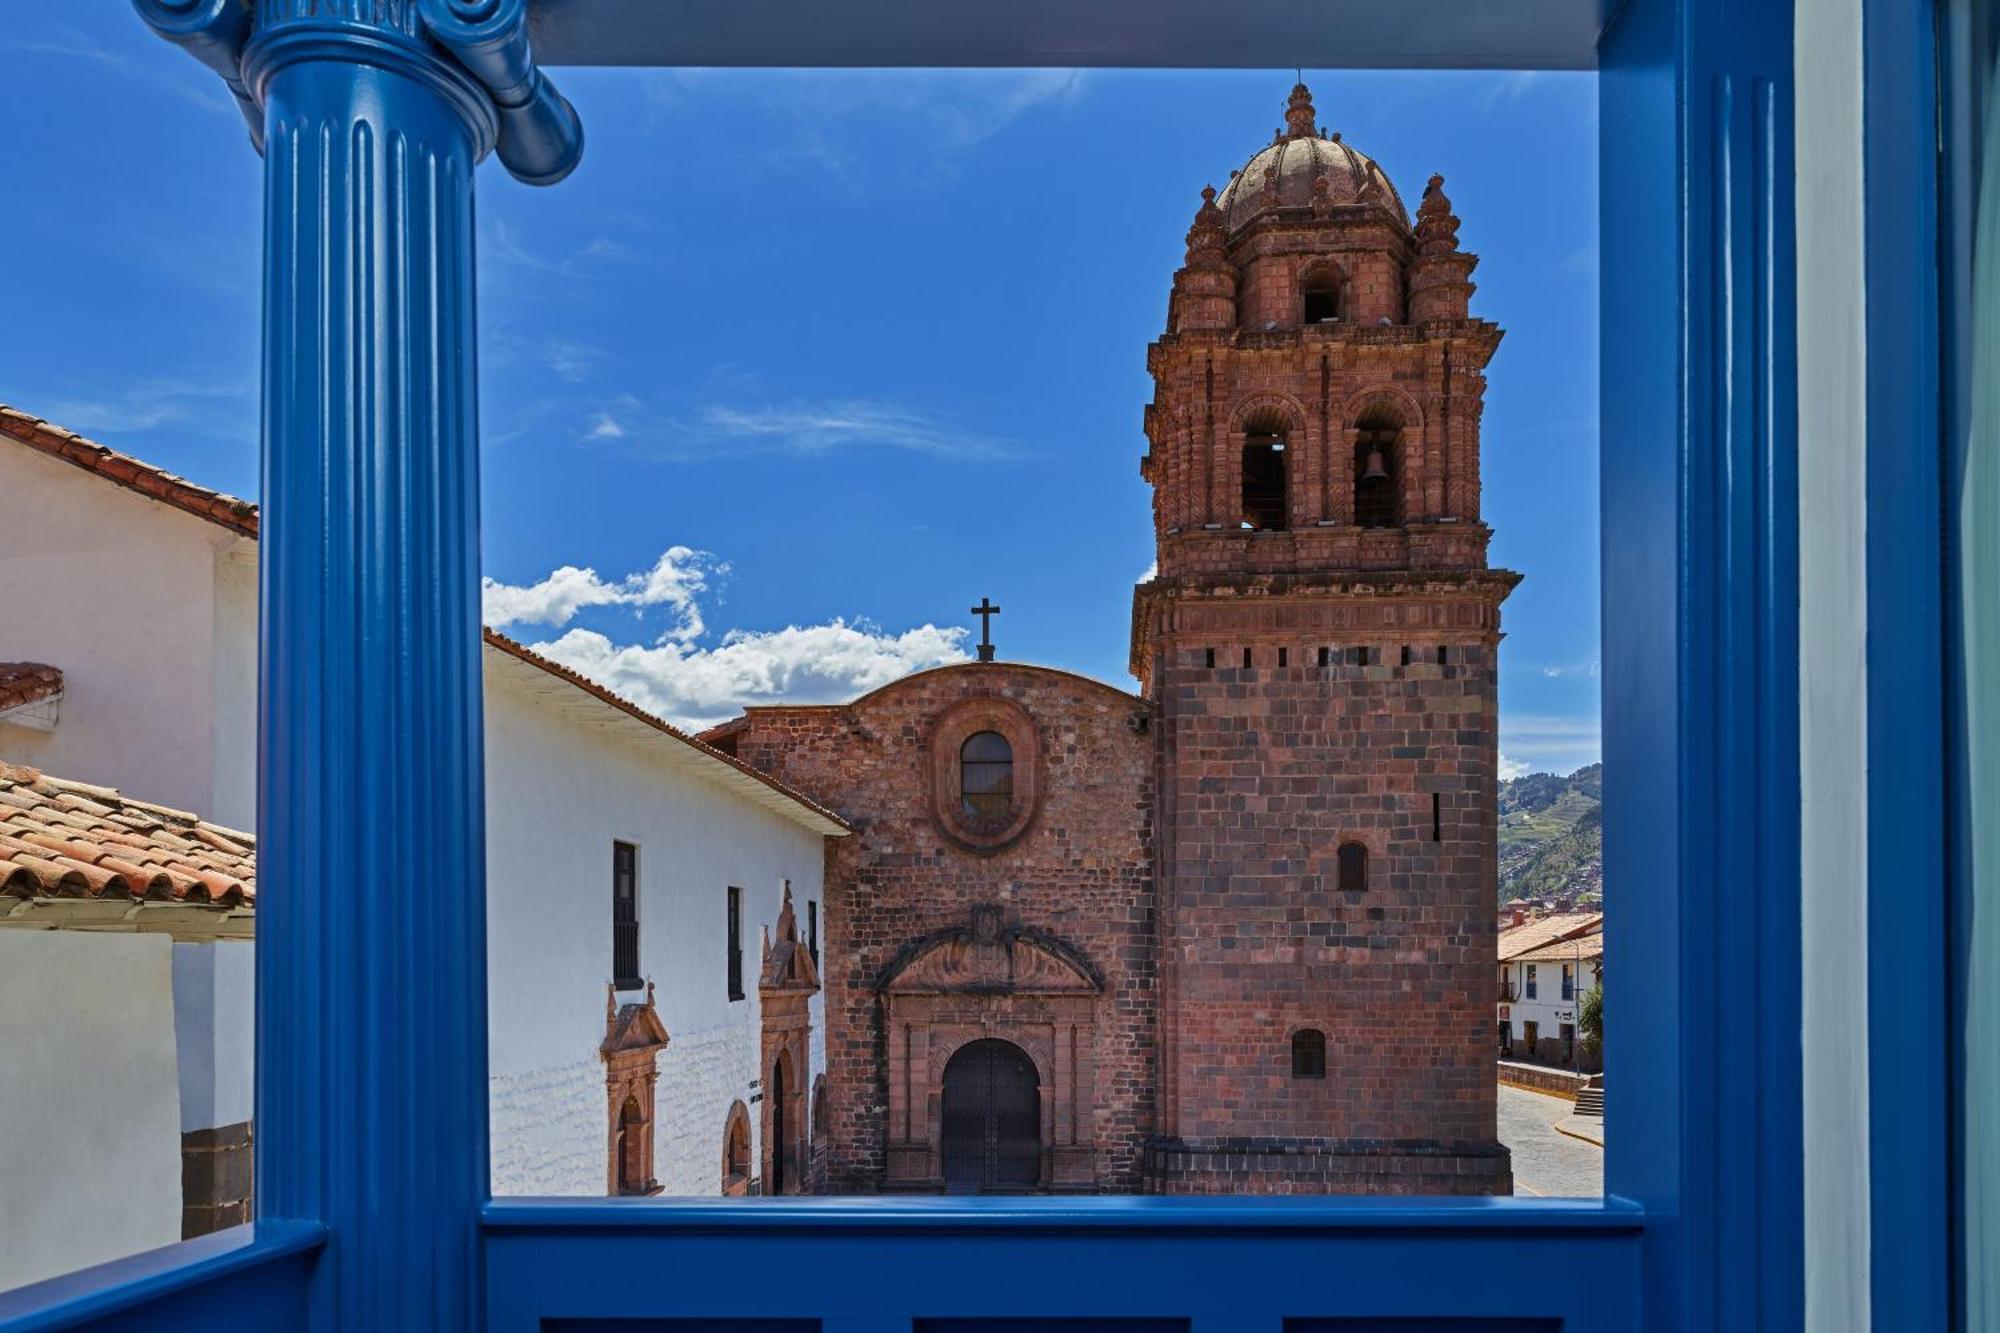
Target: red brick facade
1074, 883
1286, 843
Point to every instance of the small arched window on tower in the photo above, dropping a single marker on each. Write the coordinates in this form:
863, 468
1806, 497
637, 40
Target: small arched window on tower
1308, 1053
1320, 297
1353, 866
1266, 494
986, 775
1378, 450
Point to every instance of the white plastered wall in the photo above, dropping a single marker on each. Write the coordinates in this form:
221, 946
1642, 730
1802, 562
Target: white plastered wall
90, 1145
559, 791
121, 592
215, 1031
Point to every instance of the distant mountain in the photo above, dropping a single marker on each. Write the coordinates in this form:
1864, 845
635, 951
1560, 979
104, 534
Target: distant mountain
1552, 837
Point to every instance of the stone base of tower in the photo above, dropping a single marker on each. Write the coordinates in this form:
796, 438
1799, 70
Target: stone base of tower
1326, 1166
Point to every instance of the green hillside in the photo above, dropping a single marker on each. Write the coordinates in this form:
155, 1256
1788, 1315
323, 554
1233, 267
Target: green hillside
1552, 837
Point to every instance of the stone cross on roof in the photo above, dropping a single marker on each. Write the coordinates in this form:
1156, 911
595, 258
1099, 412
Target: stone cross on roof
986, 611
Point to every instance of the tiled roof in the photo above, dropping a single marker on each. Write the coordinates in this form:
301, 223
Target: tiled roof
68, 840
1531, 935
238, 515
1586, 948
24, 683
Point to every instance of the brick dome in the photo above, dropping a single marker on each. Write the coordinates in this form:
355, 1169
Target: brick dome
1295, 163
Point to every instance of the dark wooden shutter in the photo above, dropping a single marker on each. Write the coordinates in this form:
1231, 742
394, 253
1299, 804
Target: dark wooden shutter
625, 916
735, 944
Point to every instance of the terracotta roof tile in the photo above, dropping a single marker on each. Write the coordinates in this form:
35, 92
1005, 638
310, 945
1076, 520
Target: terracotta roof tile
23, 683
68, 839
233, 513
1517, 941
1576, 947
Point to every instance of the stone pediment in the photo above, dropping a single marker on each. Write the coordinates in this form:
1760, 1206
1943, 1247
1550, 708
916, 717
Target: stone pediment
788, 964
631, 1027
987, 960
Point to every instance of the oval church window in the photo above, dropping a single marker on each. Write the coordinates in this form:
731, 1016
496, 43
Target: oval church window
986, 775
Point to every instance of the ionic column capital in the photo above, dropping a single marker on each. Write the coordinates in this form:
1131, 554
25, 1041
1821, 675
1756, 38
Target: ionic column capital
474, 52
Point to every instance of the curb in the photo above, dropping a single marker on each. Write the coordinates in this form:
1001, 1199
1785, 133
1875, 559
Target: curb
1581, 1125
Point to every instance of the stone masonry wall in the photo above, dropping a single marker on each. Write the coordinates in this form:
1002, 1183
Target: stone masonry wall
1269, 769
1081, 872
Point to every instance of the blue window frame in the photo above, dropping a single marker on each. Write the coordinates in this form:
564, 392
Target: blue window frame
1702, 1221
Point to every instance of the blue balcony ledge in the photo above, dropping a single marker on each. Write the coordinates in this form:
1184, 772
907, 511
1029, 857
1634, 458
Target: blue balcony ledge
1060, 1215
156, 1277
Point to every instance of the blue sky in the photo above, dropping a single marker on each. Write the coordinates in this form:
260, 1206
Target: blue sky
799, 365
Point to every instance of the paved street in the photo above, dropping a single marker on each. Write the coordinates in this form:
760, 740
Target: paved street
1546, 1162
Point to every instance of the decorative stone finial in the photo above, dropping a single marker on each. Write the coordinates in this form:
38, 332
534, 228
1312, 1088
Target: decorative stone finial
1299, 119
1437, 229
1206, 237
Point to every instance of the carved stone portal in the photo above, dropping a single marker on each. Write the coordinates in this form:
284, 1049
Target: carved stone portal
987, 979
785, 986
633, 1036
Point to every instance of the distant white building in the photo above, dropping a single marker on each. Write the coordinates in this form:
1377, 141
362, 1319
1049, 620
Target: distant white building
1547, 965
653, 906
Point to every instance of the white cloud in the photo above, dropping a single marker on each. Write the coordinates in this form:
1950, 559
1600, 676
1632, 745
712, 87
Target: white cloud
1558, 670
1531, 743
603, 247
572, 361
698, 687
198, 89
820, 428
694, 685
502, 243
834, 120
676, 582
1152, 572
152, 403
797, 429
1510, 88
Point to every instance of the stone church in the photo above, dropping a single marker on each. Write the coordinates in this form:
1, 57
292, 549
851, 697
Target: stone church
1234, 932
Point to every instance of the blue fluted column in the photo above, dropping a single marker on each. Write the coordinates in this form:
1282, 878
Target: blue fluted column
371, 964
371, 1072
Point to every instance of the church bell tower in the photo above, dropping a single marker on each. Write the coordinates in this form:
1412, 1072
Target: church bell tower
1319, 642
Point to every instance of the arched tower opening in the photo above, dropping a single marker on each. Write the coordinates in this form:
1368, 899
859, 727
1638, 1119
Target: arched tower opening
1320, 295
1378, 468
1266, 498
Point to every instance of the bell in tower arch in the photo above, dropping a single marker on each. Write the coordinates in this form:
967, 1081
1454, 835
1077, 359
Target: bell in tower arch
1377, 446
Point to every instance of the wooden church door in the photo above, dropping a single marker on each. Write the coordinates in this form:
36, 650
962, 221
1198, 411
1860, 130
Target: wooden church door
992, 1130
